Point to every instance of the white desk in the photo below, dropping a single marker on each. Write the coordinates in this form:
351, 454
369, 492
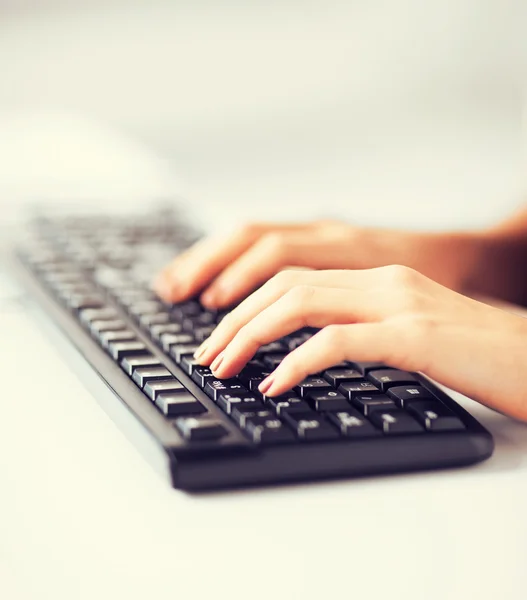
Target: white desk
83, 517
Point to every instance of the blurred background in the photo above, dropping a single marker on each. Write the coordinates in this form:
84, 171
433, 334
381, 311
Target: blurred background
393, 112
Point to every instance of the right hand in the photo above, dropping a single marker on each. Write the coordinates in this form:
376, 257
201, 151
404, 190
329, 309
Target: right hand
225, 270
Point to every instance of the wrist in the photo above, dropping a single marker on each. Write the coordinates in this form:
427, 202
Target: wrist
497, 264
454, 258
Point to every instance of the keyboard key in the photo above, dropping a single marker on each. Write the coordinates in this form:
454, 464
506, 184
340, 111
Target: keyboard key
242, 416
404, 394
201, 375
228, 402
118, 350
283, 405
273, 348
143, 375
97, 314
386, 378
268, 430
365, 367
435, 416
215, 387
124, 335
337, 376
201, 430
150, 319
311, 427
146, 307
284, 396
252, 375
352, 424
357, 388
82, 301
176, 405
188, 363
172, 339
311, 383
201, 320
186, 309
179, 351
202, 333
368, 404
153, 388
327, 400
156, 331
100, 326
271, 361
146, 360
132, 297
296, 340
395, 422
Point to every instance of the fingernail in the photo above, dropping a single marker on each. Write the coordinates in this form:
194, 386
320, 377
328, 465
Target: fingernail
201, 350
217, 362
266, 385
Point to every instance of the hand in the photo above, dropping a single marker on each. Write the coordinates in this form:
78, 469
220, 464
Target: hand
394, 315
225, 270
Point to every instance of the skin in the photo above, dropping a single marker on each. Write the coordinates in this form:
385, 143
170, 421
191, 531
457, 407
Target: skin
409, 314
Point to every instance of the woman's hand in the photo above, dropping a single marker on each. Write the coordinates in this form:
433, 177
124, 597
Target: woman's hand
225, 270
392, 314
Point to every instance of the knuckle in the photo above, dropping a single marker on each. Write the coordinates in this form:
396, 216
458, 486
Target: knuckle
296, 301
401, 276
248, 335
275, 244
281, 281
411, 301
300, 295
332, 335
293, 364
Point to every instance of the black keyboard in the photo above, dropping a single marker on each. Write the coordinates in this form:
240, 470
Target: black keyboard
91, 277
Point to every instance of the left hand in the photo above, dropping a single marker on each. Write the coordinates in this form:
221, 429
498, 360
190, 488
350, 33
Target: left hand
390, 314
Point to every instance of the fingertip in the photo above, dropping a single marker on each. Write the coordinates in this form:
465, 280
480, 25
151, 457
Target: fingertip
220, 295
208, 299
266, 386
163, 288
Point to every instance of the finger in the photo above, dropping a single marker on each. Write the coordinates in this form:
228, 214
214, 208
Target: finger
269, 255
194, 269
259, 263
271, 292
361, 342
304, 306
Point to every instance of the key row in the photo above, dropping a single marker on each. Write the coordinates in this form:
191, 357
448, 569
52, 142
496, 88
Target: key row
168, 394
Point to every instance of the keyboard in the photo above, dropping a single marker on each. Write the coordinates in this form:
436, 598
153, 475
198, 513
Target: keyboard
90, 278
